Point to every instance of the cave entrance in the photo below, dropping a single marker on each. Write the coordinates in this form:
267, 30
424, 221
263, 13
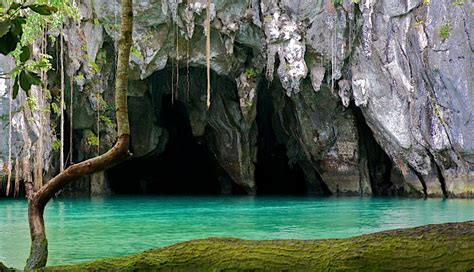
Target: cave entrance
378, 162
185, 166
273, 173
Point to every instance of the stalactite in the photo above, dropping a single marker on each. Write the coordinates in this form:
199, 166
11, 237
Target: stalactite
61, 108
208, 52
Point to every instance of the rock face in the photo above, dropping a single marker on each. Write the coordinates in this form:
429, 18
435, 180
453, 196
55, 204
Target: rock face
367, 98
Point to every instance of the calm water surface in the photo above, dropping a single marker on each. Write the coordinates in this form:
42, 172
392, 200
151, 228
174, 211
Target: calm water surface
85, 229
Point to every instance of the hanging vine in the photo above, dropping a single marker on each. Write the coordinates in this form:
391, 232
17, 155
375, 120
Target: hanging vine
172, 82
177, 61
71, 118
98, 122
208, 52
61, 107
187, 70
9, 170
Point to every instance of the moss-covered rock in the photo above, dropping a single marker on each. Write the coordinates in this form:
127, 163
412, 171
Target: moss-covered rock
432, 247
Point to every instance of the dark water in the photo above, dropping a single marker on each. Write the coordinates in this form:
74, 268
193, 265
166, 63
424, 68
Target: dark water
85, 229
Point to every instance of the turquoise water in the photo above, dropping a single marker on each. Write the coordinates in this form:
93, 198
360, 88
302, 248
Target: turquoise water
85, 229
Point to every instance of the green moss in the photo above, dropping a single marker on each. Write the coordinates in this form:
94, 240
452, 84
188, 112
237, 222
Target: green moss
432, 247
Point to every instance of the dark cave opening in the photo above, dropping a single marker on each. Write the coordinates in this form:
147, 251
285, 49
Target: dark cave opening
186, 166
378, 162
274, 174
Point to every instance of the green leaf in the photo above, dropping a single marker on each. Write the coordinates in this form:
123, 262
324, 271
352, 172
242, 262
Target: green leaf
33, 78
15, 88
4, 27
14, 5
25, 84
17, 26
8, 43
25, 54
43, 9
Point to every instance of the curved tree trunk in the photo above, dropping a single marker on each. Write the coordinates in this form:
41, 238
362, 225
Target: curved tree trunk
37, 201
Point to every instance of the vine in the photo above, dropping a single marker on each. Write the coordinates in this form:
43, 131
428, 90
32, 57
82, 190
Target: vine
61, 106
177, 61
208, 52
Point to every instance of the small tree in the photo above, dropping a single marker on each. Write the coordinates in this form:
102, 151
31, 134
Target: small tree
119, 152
10, 34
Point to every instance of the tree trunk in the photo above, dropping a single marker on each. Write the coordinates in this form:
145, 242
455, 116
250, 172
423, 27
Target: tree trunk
119, 152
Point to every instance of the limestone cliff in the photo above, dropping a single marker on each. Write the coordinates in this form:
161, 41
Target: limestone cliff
366, 97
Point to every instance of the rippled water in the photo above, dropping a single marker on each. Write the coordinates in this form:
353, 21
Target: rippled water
85, 229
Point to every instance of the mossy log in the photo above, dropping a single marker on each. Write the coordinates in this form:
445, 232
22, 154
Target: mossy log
430, 248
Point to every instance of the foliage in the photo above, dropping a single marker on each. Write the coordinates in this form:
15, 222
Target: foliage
105, 119
95, 67
136, 53
12, 33
56, 145
91, 138
55, 107
20, 25
251, 73
79, 77
101, 58
444, 32
31, 103
426, 2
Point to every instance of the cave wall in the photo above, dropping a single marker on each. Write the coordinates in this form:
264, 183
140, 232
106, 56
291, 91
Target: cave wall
369, 98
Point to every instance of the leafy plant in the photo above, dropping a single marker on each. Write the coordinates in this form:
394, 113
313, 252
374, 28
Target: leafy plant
56, 145
95, 67
251, 73
106, 119
91, 138
101, 58
31, 103
13, 19
444, 32
79, 77
135, 52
